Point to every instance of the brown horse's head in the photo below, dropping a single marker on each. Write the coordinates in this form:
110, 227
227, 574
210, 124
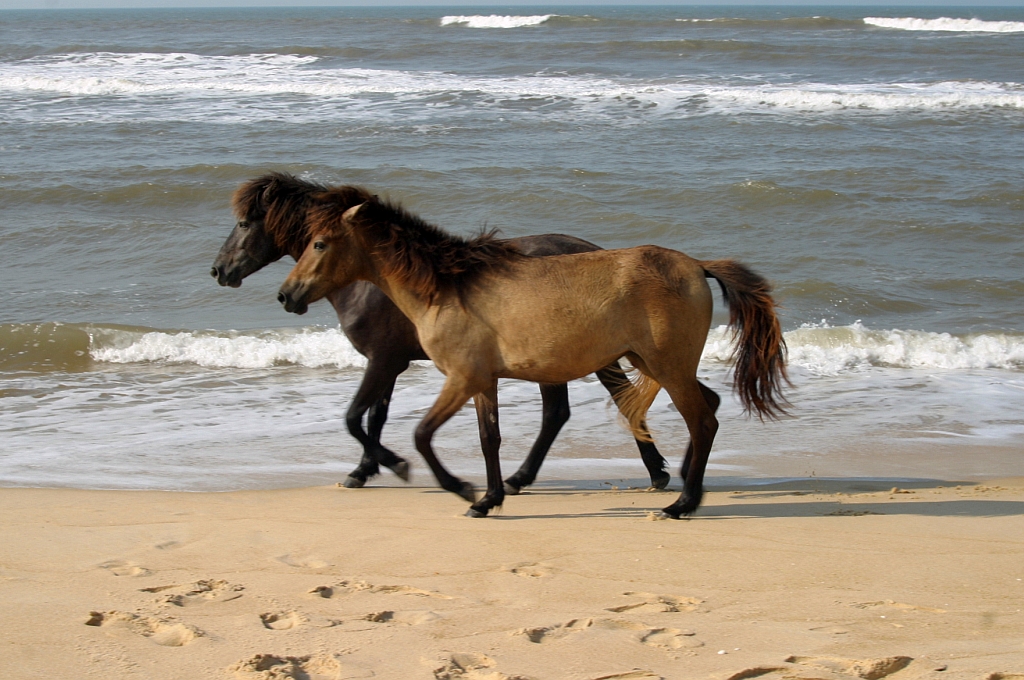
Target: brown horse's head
272, 213
329, 262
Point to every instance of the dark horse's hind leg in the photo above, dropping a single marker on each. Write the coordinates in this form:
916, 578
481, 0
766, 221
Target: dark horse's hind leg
490, 441
713, 400
614, 379
555, 399
374, 395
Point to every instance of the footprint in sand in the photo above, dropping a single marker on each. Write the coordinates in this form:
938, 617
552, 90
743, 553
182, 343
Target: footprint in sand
664, 638
530, 570
303, 562
658, 603
281, 620
363, 586
310, 667
408, 618
897, 605
472, 667
206, 590
162, 632
124, 568
867, 669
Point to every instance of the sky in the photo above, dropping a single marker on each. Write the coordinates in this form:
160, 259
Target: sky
499, 5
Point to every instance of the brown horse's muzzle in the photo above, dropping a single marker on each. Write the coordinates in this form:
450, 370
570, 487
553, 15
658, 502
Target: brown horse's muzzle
293, 300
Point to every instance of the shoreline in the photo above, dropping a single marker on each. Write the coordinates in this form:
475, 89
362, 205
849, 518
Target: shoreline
808, 578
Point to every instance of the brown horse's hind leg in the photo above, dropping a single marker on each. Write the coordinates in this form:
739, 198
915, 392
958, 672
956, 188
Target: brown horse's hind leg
453, 396
490, 440
555, 413
714, 401
615, 381
692, 403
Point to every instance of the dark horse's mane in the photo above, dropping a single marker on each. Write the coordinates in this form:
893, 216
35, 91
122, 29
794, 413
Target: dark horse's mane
282, 200
424, 257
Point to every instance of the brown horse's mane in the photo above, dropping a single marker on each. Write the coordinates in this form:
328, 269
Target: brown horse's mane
282, 200
420, 255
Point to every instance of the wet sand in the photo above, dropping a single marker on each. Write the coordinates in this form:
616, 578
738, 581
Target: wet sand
814, 579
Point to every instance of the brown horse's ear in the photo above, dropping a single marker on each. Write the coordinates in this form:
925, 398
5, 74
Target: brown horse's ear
350, 214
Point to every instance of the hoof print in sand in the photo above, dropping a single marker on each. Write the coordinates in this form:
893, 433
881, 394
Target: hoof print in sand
472, 667
363, 586
897, 605
413, 618
207, 590
665, 638
866, 669
124, 568
531, 570
271, 667
165, 633
281, 620
658, 603
307, 562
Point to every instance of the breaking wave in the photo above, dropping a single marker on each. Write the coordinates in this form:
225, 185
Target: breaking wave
946, 24
496, 21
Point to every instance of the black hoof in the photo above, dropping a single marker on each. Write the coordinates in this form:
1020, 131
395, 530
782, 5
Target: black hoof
660, 482
511, 490
665, 514
401, 469
476, 513
354, 482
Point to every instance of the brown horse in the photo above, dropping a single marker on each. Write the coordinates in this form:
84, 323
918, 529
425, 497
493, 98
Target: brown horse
484, 311
272, 211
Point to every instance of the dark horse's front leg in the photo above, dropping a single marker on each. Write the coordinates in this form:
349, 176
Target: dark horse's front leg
490, 441
615, 381
374, 395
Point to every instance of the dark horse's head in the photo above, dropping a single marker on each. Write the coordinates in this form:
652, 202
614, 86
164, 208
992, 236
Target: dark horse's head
271, 212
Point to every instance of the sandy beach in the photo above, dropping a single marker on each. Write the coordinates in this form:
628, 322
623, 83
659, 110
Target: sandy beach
813, 579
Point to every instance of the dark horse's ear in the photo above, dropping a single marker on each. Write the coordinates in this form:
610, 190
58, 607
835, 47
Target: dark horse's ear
270, 192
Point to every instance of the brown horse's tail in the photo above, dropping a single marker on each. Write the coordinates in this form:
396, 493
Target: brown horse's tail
760, 353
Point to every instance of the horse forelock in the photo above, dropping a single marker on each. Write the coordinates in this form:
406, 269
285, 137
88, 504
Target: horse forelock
423, 256
282, 200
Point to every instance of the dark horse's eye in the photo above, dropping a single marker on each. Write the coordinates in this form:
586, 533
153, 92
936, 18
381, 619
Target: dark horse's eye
319, 245
243, 224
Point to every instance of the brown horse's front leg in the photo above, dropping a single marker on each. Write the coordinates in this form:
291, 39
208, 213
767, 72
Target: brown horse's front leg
490, 441
453, 396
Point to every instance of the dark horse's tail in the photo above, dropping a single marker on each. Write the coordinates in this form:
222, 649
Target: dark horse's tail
760, 353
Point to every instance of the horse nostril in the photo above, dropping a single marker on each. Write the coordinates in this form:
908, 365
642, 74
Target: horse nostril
281, 297
214, 273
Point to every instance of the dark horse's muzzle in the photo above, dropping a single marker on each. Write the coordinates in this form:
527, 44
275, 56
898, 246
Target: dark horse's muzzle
292, 303
226, 277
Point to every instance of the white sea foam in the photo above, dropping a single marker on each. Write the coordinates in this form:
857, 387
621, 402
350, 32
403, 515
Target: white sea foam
946, 24
309, 347
496, 21
261, 86
818, 348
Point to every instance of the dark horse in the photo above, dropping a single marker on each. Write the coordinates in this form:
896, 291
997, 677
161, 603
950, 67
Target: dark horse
271, 213
484, 311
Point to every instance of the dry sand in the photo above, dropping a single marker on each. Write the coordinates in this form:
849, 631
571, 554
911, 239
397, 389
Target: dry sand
814, 579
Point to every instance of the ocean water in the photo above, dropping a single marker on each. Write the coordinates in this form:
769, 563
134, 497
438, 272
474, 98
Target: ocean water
868, 161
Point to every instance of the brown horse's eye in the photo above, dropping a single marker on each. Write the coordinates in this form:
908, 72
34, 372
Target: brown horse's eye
243, 224
319, 245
